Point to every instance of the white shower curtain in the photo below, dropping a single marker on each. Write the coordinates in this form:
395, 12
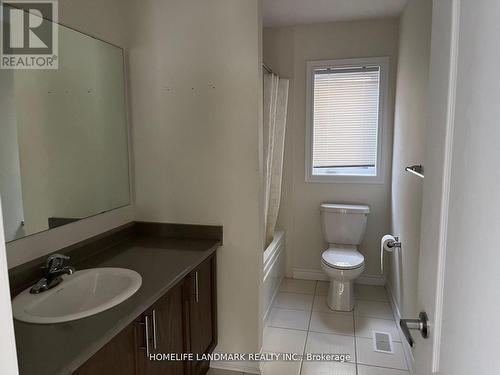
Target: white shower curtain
275, 107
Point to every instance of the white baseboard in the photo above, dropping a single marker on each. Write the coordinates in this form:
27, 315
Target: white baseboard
246, 367
311, 274
406, 347
366, 279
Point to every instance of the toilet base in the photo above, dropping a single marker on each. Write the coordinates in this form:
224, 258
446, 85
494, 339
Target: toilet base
341, 295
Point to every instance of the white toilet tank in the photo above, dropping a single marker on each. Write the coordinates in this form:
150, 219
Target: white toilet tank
344, 224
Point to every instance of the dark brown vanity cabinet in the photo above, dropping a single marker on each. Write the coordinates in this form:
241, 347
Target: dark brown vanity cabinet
165, 335
184, 320
118, 357
201, 311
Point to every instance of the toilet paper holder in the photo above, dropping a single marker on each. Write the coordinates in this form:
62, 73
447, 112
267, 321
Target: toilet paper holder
387, 244
396, 243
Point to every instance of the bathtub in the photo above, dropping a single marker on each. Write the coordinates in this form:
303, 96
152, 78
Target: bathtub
274, 270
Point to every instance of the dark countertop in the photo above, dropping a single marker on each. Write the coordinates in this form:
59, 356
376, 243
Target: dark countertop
52, 349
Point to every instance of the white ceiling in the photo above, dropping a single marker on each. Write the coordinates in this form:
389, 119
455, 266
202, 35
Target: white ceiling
302, 12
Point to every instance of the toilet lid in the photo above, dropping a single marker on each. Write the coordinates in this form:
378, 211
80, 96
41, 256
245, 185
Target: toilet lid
346, 259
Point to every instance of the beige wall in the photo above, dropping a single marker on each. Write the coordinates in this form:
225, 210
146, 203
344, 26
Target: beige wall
107, 20
196, 95
287, 50
409, 148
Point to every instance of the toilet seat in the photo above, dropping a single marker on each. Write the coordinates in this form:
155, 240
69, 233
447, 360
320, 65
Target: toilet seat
343, 258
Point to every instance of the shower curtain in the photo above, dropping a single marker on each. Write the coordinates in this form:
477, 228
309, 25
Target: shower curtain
275, 108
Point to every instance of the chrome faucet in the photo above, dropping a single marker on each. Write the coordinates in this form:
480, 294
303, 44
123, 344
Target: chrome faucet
56, 267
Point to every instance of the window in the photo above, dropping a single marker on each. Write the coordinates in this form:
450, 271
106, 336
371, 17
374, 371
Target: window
345, 120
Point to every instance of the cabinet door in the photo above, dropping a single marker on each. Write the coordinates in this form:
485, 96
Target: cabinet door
202, 312
118, 357
165, 334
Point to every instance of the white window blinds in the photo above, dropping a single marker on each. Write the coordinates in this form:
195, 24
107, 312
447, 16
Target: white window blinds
345, 118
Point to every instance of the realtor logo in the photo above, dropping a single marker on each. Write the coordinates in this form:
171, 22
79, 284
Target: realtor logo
29, 34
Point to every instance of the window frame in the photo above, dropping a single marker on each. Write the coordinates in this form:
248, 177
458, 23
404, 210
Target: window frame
311, 66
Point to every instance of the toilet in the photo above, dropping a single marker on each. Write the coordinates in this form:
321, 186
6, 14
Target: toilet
343, 227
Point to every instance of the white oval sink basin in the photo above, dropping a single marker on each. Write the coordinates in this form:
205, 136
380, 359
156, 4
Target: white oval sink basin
82, 294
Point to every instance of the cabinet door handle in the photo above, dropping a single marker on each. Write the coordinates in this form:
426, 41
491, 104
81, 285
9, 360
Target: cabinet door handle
155, 342
146, 335
196, 288
146, 321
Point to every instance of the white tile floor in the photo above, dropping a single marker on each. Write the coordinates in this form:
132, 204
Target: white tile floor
301, 322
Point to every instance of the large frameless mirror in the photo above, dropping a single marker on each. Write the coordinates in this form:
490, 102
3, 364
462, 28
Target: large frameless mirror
63, 138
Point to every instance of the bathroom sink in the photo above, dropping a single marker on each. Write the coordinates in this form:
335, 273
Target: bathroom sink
82, 294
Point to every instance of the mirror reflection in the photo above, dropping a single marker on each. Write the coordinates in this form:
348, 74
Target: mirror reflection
64, 138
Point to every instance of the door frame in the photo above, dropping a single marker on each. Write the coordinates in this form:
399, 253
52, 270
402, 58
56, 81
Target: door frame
449, 112
8, 354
